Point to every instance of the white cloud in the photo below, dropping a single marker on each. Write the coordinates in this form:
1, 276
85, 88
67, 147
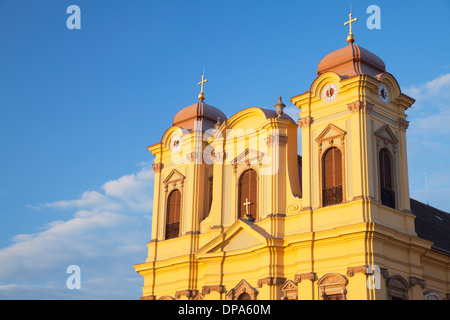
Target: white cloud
433, 124
89, 199
431, 94
428, 140
106, 235
129, 192
132, 190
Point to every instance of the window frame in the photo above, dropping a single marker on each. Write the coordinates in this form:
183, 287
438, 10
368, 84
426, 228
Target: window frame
381, 170
323, 174
166, 223
332, 285
242, 215
386, 139
331, 136
173, 181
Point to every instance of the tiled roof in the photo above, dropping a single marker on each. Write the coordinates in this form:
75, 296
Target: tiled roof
432, 224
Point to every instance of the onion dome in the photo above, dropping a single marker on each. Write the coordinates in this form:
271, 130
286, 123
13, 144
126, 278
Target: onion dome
350, 61
200, 112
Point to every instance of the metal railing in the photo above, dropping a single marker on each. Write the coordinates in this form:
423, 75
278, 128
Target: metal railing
172, 230
331, 196
388, 197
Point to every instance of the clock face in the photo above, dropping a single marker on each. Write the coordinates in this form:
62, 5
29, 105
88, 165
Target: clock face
383, 93
175, 143
329, 92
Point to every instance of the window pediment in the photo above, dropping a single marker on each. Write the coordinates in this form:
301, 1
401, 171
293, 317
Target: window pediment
385, 133
331, 136
330, 132
248, 156
290, 290
241, 289
174, 178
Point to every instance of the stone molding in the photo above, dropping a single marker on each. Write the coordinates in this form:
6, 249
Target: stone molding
364, 106
157, 167
311, 276
305, 122
351, 271
403, 124
219, 288
282, 140
271, 281
186, 293
414, 280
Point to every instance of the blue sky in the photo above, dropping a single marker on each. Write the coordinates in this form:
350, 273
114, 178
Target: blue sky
79, 107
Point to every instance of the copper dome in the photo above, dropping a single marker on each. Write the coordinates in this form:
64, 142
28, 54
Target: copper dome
200, 111
350, 61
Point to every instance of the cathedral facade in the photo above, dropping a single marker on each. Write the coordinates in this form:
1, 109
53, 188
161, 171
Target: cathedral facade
239, 215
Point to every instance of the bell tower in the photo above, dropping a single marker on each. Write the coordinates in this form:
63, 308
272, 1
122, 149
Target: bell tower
182, 192
354, 155
353, 126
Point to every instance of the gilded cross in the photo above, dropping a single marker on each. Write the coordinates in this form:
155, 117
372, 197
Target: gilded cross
201, 95
246, 204
349, 22
202, 82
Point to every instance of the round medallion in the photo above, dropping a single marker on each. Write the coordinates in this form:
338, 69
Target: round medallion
383, 93
329, 92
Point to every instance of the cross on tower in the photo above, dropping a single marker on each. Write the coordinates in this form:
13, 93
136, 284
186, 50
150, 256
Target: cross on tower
201, 95
350, 37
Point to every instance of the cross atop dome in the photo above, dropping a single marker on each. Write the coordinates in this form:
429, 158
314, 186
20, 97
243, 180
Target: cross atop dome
350, 37
201, 95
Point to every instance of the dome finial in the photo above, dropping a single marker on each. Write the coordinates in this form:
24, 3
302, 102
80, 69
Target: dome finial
201, 95
350, 37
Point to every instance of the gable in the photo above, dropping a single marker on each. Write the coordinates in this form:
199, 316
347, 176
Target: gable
240, 240
241, 235
331, 131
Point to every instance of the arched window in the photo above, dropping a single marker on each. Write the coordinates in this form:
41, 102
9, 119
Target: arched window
242, 291
397, 288
332, 177
248, 197
173, 214
333, 286
244, 296
386, 183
